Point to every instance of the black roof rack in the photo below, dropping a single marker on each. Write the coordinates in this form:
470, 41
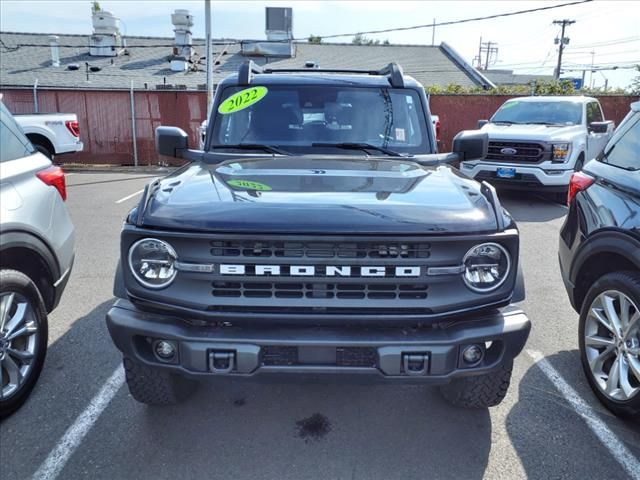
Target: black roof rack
393, 71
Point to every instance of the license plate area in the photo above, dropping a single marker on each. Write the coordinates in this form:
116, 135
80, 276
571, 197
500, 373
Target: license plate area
506, 173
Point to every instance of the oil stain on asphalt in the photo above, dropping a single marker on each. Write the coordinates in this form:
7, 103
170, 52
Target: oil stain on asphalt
314, 427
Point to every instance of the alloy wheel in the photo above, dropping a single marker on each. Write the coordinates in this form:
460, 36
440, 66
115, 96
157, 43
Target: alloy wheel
612, 344
18, 342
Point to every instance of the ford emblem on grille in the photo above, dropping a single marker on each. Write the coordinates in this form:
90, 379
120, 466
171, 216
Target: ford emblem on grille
508, 151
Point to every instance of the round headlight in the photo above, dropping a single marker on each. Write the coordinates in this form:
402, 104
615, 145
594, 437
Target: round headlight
152, 262
486, 267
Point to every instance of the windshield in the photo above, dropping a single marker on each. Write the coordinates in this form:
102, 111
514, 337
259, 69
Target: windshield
552, 113
296, 117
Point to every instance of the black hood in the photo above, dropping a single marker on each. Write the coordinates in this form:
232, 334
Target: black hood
319, 194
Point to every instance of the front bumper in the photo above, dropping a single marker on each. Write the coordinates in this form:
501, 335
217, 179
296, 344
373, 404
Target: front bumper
552, 177
427, 355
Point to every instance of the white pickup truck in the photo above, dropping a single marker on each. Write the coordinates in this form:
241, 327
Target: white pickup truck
536, 143
52, 133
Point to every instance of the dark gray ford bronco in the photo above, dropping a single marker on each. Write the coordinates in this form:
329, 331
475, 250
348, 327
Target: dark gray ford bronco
319, 234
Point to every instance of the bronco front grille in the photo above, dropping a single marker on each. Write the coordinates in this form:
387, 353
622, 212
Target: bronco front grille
315, 250
345, 291
516, 152
268, 276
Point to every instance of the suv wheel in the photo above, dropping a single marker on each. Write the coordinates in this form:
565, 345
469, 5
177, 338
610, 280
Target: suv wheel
155, 387
23, 339
481, 391
610, 341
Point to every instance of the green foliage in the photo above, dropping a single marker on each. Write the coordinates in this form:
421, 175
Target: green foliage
539, 87
635, 83
360, 39
314, 39
95, 7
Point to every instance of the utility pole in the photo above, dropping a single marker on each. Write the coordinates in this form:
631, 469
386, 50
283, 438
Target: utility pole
562, 42
480, 55
208, 53
489, 48
433, 33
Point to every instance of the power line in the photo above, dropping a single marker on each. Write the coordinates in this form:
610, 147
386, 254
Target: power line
451, 22
607, 43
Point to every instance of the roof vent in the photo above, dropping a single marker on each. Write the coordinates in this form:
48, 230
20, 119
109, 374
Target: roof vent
54, 42
105, 40
279, 23
182, 20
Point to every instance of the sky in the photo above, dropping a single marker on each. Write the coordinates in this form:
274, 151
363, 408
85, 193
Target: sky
606, 32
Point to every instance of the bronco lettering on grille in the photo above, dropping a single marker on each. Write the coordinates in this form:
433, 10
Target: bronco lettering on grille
313, 271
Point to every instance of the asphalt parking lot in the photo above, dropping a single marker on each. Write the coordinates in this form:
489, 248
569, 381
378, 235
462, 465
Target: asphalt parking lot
333, 431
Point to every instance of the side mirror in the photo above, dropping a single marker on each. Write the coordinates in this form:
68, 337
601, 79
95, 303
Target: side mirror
599, 127
171, 141
471, 145
482, 123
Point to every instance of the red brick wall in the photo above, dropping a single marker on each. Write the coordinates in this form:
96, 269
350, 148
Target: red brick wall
105, 117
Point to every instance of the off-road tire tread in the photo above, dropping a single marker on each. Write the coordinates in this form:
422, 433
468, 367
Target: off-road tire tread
480, 391
155, 387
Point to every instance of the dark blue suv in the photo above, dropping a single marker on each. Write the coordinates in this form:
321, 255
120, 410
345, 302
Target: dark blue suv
600, 263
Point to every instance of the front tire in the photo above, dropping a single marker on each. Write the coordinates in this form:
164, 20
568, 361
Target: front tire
155, 387
610, 341
480, 391
23, 339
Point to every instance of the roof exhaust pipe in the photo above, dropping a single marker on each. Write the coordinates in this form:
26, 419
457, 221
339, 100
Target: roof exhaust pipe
54, 42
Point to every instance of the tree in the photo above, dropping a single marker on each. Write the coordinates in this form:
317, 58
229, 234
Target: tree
635, 83
95, 7
315, 39
360, 39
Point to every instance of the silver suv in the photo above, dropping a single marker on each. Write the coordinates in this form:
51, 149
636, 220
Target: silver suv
36, 255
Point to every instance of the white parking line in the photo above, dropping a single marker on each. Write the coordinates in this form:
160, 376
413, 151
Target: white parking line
124, 199
71, 439
609, 439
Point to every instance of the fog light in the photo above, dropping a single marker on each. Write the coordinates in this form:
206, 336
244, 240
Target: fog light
472, 354
164, 350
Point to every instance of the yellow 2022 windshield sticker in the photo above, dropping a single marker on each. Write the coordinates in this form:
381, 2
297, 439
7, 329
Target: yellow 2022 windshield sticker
242, 99
249, 185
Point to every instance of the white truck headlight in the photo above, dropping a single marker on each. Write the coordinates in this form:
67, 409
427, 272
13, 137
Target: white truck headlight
152, 262
486, 267
561, 151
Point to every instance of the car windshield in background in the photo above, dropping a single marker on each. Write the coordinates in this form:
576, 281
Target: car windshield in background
544, 113
297, 117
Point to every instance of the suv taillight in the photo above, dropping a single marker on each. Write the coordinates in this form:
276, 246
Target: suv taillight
73, 127
579, 181
54, 176
437, 130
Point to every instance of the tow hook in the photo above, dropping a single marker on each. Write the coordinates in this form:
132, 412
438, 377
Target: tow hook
221, 362
415, 363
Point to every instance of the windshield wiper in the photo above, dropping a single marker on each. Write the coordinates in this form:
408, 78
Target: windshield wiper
255, 146
506, 122
549, 124
358, 146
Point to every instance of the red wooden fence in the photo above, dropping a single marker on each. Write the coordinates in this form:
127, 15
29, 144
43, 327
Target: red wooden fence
105, 117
